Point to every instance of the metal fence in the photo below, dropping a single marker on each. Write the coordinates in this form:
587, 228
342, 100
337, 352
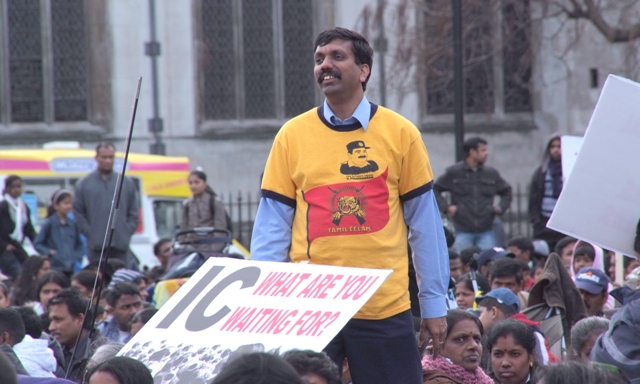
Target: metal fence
242, 208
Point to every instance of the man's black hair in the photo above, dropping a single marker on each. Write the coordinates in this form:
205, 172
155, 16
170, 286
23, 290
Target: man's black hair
361, 49
125, 369
467, 254
307, 361
86, 278
563, 243
104, 144
76, 304
585, 249
522, 243
453, 254
159, 244
492, 302
119, 289
11, 323
505, 267
31, 321
144, 315
472, 143
483, 283
257, 368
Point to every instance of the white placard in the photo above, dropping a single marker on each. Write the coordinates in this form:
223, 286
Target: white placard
235, 306
570, 149
600, 203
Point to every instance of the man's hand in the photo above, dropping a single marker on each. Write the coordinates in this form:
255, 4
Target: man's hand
497, 209
437, 329
10, 248
452, 210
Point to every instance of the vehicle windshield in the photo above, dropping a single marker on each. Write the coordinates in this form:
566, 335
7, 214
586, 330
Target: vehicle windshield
168, 213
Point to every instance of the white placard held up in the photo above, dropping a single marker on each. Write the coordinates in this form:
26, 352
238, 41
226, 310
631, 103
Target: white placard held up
570, 149
600, 203
234, 306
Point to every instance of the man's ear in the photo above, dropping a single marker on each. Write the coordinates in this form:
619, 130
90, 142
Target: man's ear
365, 70
494, 313
4, 338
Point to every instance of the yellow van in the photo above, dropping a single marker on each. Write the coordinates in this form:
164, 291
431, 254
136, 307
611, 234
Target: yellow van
161, 182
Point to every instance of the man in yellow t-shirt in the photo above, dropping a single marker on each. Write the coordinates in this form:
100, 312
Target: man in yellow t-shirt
342, 184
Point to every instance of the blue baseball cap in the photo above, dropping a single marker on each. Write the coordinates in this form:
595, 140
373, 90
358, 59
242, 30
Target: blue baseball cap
503, 296
484, 257
591, 280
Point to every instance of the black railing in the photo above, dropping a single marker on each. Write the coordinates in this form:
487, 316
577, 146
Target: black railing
242, 208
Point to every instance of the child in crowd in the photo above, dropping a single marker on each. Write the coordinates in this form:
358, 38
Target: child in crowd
59, 237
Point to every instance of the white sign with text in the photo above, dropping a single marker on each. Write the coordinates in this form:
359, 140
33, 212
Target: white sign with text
234, 306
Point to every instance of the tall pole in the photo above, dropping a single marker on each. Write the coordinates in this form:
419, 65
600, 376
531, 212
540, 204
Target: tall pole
380, 45
458, 78
152, 49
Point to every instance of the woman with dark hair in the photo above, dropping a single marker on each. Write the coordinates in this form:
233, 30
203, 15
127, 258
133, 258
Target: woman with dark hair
48, 286
258, 368
511, 345
461, 352
15, 225
121, 370
26, 285
465, 296
203, 209
84, 281
59, 237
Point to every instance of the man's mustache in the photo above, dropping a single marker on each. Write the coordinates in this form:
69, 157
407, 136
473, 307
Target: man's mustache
335, 74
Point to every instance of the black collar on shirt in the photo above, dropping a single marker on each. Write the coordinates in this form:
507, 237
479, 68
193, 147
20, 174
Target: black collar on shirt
346, 127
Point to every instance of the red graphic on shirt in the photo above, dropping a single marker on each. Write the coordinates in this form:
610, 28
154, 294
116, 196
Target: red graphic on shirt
348, 208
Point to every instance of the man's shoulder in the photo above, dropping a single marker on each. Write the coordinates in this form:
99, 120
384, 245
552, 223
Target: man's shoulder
456, 167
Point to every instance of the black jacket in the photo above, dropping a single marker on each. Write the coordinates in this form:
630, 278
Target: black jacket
536, 194
7, 226
473, 193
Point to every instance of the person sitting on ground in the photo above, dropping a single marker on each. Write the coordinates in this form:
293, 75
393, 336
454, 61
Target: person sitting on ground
461, 352
536, 271
511, 345
584, 335
162, 250
455, 264
593, 285
257, 368
486, 258
466, 255
25, 288
11, 333
85, 281
49, 285
5, 293
465, 294
124, 301
102, 354
120, 370
507, 273
522, 248
7, 371
131, 276
141, 318
33, 330
580, 373
68, 325
497, 305
564, 249
34, 353
314, 367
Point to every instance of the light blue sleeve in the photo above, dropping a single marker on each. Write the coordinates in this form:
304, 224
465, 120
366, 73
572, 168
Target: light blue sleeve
430, 253
271, 236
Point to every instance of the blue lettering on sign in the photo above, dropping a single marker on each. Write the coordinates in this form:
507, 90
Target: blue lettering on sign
78, 165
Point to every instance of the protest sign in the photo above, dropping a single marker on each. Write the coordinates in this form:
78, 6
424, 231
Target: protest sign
599, 203
234, 306
570, 149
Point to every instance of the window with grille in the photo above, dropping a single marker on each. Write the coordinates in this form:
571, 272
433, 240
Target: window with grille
43, 76
256, 58
496, 56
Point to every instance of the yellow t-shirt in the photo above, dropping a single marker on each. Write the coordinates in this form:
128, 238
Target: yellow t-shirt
346, 186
